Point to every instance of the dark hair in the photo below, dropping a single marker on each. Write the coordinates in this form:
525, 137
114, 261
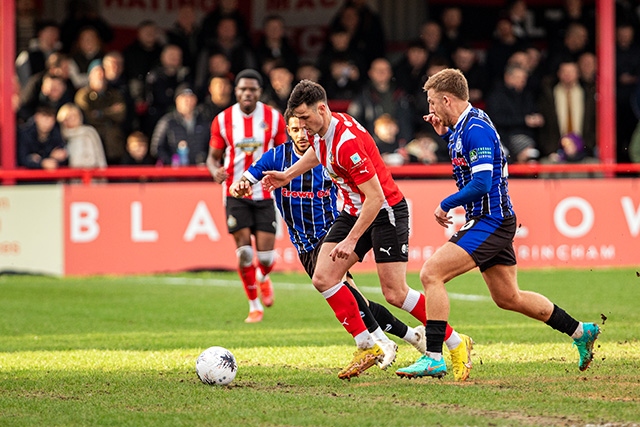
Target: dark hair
288, 113
248, 73
46, 110
306, 92
146, 23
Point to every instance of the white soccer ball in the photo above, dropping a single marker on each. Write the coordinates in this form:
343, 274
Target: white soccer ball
216, 366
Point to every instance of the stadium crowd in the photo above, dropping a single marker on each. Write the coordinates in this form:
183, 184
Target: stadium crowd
152, 103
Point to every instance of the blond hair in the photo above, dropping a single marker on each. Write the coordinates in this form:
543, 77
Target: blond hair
64, 111
451, 81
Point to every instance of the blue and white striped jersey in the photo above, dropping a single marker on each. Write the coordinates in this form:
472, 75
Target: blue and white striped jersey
474, 146
308, 204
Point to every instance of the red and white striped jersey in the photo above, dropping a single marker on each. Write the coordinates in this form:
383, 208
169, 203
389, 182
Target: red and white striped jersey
351, 157
245, 138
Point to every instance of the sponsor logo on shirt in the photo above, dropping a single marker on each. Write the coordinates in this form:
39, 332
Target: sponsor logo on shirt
459, 161
305, 194
248, 145
355, 158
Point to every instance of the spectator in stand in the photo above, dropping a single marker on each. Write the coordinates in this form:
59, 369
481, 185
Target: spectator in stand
558, 21
185, 33
536, 68
113, 65
82, 14
452, 37
219, 99
523, 59
161, 84
137, 151
225, 9
26, 23
232, 44
523, 21
574, 44
34, 60
587, 66
277, 92
274, 45
571, 149
466, 60
420, 127
423, 149
379, 96
514, 113
503, 45
627, 75
411, 69
83, 143
338, 46
53, 93
140, 57
40, 144
57, 65
567, 107
365, 28
88, 47
308, 71
431, 36
385, 135
218, 66
343, 79
105, 109
181, 137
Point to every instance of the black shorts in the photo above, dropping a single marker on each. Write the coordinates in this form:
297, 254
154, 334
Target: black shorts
488, 240
257, 215
310, 259
388, 234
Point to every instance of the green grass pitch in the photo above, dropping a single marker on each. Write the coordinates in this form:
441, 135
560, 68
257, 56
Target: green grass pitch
121, 351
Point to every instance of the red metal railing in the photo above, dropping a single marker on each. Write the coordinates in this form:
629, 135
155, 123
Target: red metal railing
120, 173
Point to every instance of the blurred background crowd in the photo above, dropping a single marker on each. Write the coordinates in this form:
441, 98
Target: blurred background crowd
80, 103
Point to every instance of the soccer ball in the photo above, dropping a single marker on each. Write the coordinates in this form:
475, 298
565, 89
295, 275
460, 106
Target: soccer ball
216, 366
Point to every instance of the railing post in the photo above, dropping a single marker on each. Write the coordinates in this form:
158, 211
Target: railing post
7, 73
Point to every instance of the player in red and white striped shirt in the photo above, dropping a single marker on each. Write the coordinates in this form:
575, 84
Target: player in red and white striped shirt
375, 216
239, 136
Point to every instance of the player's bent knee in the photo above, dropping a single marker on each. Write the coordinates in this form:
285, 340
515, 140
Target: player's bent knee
244, 255
267, 258
506, 303
395, 297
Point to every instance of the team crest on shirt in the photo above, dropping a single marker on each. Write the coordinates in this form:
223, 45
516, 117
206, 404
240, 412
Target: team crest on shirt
248, 145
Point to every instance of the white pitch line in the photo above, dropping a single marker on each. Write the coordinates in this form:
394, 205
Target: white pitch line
185, 281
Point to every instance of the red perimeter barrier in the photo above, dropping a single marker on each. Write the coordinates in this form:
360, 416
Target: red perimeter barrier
86, 176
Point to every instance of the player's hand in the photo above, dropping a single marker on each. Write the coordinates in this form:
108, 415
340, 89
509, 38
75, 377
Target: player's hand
342, 250
273, 180
220, 175
443, 218
436, 123
241, 189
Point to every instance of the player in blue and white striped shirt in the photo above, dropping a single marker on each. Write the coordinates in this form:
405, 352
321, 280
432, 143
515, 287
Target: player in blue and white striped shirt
308, 205
486, 240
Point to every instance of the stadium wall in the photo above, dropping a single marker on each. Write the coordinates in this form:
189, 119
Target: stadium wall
143, 228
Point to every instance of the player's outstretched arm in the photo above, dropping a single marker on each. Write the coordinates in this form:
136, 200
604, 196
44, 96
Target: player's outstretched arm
277, 179
241, 188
